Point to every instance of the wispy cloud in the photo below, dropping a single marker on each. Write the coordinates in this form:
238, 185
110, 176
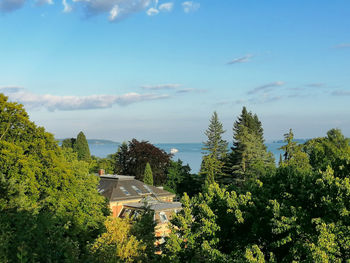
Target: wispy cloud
316, 85
166, 7
152, 11
190, 6
341, 93
116, 10
343, 45
266, 87
7, 6
243, 59
67, 8
162, 86
188, 90
70, 103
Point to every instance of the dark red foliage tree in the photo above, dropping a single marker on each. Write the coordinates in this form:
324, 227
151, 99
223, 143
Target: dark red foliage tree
141, 153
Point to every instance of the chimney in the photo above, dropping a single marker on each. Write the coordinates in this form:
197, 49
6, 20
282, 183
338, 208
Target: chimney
101, 172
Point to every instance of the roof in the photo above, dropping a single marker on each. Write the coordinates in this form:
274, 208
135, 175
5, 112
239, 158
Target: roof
122, 187
158, 206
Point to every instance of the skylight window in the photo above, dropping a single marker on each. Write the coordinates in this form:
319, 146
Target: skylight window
136, 189
148, 188
124, 190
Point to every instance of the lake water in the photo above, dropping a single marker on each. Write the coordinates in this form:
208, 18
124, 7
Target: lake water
189, 153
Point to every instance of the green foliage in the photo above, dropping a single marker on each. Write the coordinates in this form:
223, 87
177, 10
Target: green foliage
143, 229
68, 143
81, 146
297, 213
201, 232
180, 180
211, 169
148, 175
331, 151
49, 205
107, 164
117, 244
293, 154
248, 151
215, 145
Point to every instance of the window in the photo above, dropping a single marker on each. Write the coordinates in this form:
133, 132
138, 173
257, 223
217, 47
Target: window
163, 217
148, 188
126, 213
124, 190
136, 189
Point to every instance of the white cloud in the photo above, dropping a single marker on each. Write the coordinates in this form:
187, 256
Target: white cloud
66, 7
69, 103
190, 6
117, 9
113, 14
152, 11
266, 87
162, 86
243, 59
166, 7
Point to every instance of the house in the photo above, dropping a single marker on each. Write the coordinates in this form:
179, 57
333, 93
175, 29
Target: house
127, 196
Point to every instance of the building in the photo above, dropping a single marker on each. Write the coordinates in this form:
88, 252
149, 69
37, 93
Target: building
127, 196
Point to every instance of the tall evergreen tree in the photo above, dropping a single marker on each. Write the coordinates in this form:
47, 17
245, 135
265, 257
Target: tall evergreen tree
290, 147
122, 158
81, 147
249, 150
148, 175
215, 145
215, 150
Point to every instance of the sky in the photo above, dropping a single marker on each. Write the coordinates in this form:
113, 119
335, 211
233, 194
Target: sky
156, 70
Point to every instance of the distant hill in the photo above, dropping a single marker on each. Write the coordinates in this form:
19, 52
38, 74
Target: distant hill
95, 141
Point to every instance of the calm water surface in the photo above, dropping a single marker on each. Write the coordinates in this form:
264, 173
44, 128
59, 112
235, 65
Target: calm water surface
189, 153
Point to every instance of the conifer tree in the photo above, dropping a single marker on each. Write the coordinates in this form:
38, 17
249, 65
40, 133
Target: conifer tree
248, 149
148, 175
81, 147
215, 145
290, 147
215, 150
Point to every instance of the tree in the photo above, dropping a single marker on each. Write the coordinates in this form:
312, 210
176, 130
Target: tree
215, 145
180, 180
293, 154
211, 169
248, 151
121, 166
202, 230
45, 194
81, 146
290, 147
141, 153
69, 143
291, 214
330, 151
148, 176
117, 244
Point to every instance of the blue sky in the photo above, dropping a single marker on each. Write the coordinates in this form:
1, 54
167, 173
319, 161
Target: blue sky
156, 70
